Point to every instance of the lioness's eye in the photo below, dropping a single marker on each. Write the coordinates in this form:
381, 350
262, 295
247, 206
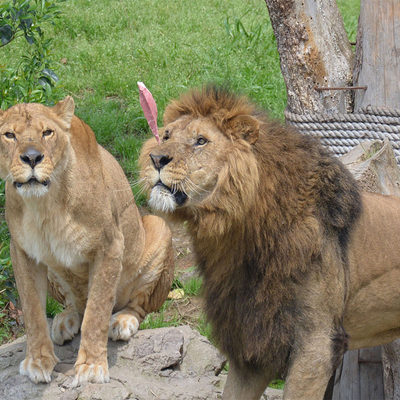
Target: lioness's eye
201, 140
47, 132
9, 135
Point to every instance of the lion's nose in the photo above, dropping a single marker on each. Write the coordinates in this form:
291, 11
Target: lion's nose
32, 157
160, 161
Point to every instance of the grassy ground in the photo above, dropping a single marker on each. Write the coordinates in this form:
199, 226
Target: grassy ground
103, 47
107, 46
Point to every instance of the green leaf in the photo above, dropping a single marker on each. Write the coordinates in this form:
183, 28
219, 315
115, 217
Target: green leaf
29, 38
50, 74
6, 34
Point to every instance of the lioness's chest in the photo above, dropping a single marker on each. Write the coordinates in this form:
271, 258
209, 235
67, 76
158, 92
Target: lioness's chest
53, 238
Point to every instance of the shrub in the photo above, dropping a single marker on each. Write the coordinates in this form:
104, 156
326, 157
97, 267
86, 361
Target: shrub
32, 79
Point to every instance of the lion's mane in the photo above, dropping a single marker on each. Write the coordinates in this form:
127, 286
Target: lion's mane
282, 206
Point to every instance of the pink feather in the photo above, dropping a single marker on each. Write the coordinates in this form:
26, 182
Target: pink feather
149, 107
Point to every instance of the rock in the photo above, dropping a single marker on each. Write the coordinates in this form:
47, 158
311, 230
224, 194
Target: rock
273, 394
165, 363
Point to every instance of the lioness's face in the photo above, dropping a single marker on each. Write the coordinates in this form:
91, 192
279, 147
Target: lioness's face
182, 170
33, 139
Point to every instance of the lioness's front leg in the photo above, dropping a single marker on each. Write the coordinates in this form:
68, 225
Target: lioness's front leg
91, 364
31, 281
151, 287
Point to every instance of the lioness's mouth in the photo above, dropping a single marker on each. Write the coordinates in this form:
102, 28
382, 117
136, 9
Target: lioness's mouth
32, 181
180, 197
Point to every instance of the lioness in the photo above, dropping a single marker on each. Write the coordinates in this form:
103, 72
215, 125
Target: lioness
298, 265
73, 221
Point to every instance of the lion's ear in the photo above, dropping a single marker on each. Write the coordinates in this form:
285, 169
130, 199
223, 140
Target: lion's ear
246, 127
65, 109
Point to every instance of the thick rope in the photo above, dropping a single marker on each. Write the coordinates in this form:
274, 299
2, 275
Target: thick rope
341, 132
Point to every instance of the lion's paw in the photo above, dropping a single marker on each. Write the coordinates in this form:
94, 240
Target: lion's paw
94, 373
65, 326
38, 369
123, 326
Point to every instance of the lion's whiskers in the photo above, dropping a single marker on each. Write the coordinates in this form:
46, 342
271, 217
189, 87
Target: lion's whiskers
194, 188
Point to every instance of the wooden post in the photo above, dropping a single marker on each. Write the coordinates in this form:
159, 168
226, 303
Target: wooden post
377, 62
377, 65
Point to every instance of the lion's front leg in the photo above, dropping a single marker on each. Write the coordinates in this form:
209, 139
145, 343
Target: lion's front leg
31, 281
91, 364
245, 383
312, 364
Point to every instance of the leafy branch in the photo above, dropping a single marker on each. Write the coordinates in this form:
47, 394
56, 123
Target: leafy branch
33, 78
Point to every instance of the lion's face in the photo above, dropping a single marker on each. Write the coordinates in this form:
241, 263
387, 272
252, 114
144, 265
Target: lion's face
183, 169
199, 160
33, 139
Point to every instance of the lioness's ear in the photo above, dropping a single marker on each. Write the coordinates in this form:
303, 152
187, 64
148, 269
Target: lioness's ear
65, 110
245, 127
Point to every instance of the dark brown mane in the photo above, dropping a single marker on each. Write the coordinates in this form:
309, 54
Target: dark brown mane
282, 204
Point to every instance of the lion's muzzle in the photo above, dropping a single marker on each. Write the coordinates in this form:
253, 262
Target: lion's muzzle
160, 161
162, 198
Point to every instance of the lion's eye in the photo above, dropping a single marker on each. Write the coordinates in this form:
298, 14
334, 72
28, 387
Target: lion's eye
201, 141
47, 132
9, 135
166, 135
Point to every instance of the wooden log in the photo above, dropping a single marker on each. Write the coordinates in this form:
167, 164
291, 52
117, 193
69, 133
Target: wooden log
314, 51
391, 369
347, 380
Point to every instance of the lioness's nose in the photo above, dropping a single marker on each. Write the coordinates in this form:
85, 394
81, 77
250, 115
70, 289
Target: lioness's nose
160, 161
32, 157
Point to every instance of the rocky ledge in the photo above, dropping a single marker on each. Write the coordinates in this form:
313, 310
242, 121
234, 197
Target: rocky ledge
166, 363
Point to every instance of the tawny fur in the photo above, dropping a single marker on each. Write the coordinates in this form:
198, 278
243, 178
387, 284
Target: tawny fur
76, 225
278, 225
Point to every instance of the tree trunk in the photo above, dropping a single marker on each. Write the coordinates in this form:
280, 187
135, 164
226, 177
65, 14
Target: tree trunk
314, 52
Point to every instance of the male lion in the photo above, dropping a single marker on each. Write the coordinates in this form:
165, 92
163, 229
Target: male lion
73, 219
298, 265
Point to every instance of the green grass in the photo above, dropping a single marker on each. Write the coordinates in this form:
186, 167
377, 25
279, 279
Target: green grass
277, 384
159, 319
104, 47
191, 287
350, 10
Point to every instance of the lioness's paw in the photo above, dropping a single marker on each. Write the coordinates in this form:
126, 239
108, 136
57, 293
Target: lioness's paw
123, 326
65, 326
38, 369
94, 373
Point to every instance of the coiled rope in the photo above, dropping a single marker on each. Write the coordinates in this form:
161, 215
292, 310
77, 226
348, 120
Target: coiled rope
341, 132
